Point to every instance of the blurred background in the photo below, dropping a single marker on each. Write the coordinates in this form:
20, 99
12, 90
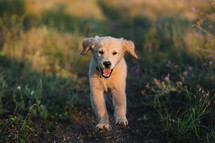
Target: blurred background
44, 83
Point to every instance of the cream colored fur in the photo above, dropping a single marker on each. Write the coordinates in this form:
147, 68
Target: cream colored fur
116, 83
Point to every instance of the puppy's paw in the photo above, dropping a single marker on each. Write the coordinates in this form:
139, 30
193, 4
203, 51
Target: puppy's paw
122, 122
103, 127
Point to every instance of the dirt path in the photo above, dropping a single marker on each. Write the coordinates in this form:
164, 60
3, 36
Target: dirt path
83, 122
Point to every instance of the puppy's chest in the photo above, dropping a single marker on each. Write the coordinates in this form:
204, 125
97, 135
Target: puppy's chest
106, 84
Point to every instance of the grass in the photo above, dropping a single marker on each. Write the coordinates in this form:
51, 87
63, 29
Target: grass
42, 74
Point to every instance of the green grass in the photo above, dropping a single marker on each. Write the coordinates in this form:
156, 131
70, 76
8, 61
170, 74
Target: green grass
24, 91
42, 74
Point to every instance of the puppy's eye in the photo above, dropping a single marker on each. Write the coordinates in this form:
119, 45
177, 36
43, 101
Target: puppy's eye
114, 53
101, 52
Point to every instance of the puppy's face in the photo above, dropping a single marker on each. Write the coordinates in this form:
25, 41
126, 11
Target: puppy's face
107, 52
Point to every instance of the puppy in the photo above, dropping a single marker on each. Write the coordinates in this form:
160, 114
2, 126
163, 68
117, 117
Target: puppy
108, 72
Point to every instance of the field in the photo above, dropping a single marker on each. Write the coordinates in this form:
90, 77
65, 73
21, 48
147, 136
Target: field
44, 90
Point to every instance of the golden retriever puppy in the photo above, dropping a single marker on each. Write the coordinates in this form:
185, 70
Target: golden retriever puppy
108, 72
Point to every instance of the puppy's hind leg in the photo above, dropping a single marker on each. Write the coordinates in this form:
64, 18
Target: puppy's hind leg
119, 102
98, 104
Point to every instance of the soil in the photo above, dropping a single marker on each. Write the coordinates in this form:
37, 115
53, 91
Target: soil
83, 122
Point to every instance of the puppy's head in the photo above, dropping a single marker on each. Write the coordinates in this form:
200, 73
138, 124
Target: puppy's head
107, 52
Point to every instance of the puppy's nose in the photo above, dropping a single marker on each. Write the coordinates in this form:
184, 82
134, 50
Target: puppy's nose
107, 64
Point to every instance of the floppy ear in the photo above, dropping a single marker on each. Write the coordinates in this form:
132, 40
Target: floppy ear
88, 44
129, 46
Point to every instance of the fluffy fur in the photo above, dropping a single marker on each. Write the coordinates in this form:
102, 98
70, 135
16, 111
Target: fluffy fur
108, 49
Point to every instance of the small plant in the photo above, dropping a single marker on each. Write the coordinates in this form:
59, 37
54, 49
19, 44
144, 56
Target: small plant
185, 109
16, 129
3, 87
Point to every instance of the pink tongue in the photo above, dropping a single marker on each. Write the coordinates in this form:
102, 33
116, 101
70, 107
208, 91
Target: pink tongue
106, 72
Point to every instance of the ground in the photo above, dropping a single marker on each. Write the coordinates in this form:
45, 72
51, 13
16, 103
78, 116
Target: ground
83, 121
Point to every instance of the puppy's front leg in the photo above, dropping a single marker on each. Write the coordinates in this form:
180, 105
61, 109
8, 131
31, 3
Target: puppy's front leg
119, 102
98, 104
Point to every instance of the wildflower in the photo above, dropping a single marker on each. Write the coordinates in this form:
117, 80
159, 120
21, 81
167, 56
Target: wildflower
210, 62
175, 66
150, 45
190, 68
200, 89
203, 66
136, 69
166, 78
208, 37
209, 57
168, 65
32, 92
199, 35
185, 73
153, 89
156, 81
143, 92
19, 88
147, 85
150, 49
213, 51
193, 9
179, 83
161, 54
168, 92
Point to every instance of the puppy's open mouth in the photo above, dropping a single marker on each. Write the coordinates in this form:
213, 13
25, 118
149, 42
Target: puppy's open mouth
106, 73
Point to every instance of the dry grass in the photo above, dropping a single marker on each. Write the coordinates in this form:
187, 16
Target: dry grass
78, 8
46, 50
154, 9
